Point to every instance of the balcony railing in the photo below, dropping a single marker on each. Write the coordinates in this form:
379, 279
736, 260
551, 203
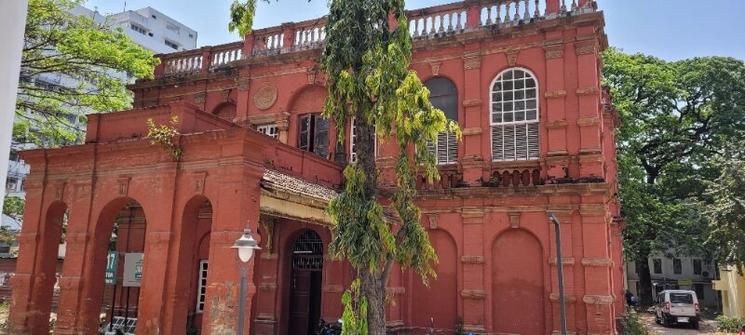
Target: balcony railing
426, 23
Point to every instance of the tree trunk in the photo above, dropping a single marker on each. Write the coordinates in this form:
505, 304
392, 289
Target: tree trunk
645, 280
374, 291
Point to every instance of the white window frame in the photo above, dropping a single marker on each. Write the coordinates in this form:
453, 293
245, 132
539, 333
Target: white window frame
202, 284
269, 129
493, 124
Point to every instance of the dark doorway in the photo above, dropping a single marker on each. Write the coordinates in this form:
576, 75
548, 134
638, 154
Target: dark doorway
305, 284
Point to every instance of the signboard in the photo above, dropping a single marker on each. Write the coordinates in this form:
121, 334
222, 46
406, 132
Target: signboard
111, 268
685, 282
132, 269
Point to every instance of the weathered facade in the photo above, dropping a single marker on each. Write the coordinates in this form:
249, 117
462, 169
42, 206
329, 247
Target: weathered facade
522, 78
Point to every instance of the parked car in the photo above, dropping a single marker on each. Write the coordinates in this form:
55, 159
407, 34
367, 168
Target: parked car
677, 307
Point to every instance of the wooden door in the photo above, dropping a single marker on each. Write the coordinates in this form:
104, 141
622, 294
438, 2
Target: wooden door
300, 302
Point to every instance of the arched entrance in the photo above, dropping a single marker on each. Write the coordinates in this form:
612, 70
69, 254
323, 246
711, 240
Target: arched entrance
306, 273
517, 284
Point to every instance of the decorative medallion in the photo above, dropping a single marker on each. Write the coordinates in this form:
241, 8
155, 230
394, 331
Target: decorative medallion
265, 97
512, 57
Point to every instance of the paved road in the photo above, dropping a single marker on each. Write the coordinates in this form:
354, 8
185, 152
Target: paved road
707, 327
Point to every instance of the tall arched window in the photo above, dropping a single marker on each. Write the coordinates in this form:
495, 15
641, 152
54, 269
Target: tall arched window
444, 95
514, 116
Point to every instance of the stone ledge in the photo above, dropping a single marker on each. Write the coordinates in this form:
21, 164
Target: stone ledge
598, 299
473, 294
597, 261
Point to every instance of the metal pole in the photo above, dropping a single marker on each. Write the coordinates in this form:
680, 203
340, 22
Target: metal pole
560, 270
242, 301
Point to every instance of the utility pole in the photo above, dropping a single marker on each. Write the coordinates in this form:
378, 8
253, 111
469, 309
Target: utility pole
560, 270
13, 25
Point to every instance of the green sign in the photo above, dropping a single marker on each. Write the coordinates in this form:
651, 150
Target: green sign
111, 268
685, 282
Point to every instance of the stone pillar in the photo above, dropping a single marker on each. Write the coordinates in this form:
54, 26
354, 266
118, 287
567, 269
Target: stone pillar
554, 98
596, 262
473, 293
158, 239
472, 124
78, 238
588, 96
236, 208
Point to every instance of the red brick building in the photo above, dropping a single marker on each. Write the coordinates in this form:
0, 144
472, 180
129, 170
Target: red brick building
521, 77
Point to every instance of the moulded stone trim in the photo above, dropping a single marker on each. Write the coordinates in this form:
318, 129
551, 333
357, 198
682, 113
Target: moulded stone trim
558, 124
472, 60
512, 57
592, 209
473, 294
432, 221
199, 180
598, 299
159, 236
267, 118
555, 94
585, 47
225, 237
123, 185
593, 90
514, 219
472, 131
471, 102
59, 190
474, 328
558, 156
435, 66
243, 83
590, 155
597, 262
554, 52
569, 298
472, 259
265, 97
565, 261
588, 121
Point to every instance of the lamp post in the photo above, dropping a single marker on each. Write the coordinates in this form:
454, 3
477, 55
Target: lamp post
560, 270
245, 245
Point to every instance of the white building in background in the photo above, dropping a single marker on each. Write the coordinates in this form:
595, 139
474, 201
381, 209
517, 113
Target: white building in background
147, 27
154, 30
686, 273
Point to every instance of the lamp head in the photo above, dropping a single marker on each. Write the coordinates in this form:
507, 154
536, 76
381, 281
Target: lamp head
246, 246
553, 218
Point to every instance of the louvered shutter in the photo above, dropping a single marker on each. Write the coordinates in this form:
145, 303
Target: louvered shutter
533, 141
497, 142
509, 142
452, 153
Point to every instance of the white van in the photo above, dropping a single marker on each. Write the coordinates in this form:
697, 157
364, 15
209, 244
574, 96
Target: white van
676, 307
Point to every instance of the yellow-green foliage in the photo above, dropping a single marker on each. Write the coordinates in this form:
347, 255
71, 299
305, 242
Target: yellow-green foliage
164, 135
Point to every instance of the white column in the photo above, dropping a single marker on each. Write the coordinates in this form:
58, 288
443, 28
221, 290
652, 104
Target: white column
12, 26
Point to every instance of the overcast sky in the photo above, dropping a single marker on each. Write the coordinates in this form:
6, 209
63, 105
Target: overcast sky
671, 29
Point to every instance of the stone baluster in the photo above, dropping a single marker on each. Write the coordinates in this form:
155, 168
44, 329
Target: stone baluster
537, 12
488, 15
507, 16
563, 6
441, 26
517, 11
499, 13
574, 5
526, 16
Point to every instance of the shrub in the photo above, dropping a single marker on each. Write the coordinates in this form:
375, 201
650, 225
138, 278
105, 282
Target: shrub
729, 325
631, 325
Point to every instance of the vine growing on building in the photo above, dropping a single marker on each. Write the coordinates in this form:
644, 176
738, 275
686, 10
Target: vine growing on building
164, 135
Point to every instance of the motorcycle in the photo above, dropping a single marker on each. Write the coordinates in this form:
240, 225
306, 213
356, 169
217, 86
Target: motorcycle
329, 328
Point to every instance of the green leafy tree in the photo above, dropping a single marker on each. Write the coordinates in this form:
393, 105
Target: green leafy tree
725, 208
86, 56
367, 59
675, 117
13, 207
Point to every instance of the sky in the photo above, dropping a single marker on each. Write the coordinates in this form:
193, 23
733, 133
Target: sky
669, 29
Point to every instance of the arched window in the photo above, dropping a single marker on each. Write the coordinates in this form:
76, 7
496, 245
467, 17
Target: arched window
514, 116
444, 95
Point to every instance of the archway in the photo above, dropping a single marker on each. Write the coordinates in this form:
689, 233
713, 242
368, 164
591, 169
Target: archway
51, 254
119, 262
437, 304
305, 282
517, 284
225, 111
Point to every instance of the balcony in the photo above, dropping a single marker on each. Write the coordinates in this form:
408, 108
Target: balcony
429, 23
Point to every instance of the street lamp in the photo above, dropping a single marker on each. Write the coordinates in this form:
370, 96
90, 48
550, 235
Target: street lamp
245, 245
560, 270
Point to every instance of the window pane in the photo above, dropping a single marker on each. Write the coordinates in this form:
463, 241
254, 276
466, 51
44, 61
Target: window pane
321, 138
507, 117
304, 138
531, 115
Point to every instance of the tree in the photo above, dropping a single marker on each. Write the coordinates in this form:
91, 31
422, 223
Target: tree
675, 117
367, 59
724, 202
88, 61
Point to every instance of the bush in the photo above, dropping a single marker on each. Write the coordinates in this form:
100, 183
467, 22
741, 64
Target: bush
729, 325
631, 325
